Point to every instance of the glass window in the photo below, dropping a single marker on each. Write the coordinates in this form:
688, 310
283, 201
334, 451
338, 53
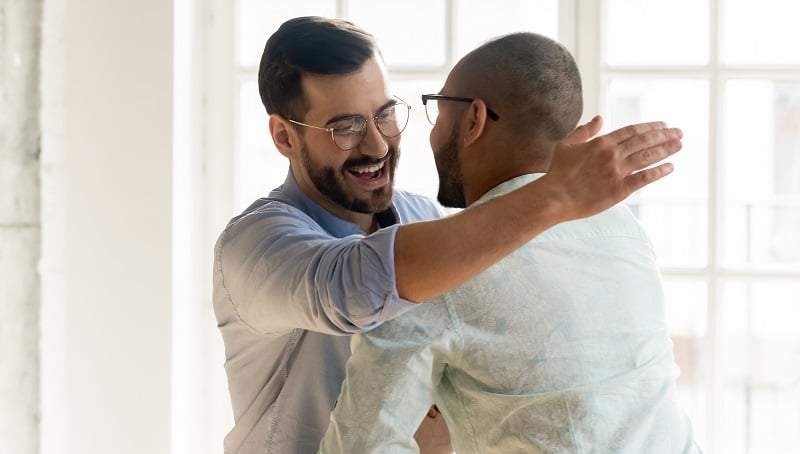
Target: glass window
729, 315
479, 20
686, 307
763, 32
654, 32
260, 167
759, 367
740, 169
761, 144
417, 170
258, 19
410, 32
676, 209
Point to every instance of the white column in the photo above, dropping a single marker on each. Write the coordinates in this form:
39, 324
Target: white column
107, 217
20, 228
203, 123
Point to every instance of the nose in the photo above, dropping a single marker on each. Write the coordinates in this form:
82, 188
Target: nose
373, 144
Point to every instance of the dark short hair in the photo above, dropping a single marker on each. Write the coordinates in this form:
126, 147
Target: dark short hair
308, 45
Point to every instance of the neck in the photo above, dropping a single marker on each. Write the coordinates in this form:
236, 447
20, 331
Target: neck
488, 173
370, 224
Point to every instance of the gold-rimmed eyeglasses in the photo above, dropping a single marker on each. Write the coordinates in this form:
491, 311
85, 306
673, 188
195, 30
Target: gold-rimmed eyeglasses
347, 133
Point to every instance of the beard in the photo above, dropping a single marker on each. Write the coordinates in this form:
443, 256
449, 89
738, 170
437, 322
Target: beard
451, 180
330, 182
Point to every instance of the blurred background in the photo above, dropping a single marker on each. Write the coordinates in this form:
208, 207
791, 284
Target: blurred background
132, 131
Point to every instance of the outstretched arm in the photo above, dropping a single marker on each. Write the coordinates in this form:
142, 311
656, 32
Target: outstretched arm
585, 178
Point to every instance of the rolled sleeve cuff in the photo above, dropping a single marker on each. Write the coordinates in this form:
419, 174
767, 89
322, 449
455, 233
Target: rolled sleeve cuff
380, 280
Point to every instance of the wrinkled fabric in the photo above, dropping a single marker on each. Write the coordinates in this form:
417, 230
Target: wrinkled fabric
291, 283
561, 347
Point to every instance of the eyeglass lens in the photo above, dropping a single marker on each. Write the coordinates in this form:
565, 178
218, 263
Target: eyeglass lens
391, 121
432, 110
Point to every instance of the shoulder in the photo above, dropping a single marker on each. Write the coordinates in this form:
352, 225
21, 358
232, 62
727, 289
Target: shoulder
264, 219
617, 221
414, 207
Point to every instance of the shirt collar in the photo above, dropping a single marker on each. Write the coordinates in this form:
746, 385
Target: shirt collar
290, 192
508, 186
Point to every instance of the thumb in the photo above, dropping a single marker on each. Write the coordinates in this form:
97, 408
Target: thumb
584, 132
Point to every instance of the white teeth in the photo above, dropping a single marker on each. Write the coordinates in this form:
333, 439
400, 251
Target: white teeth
369, 169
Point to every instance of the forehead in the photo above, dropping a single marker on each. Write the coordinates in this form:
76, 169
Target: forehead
361, 92
454, 83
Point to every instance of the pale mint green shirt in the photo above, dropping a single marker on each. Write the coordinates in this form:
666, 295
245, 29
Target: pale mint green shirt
559, 348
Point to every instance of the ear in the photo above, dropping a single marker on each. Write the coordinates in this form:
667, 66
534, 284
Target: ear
476, 125
284, 136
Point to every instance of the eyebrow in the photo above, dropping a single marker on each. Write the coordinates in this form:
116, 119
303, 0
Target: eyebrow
350, 115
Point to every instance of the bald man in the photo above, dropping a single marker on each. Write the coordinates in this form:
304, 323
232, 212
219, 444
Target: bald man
561, 346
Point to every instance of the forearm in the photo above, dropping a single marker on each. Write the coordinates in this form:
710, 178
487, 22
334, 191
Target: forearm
584, 178
436, 256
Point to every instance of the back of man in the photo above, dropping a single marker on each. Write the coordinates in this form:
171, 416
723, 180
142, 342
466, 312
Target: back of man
560, 347
336, 250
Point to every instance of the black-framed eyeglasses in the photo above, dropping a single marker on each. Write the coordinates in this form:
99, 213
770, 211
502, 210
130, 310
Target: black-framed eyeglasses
432, 108
347, 133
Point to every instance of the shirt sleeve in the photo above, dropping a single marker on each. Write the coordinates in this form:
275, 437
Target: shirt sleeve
279, 270
392, 376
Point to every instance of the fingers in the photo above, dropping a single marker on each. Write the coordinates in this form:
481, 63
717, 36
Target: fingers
642, 178
584, 132
642, 145
628, 132
646, 149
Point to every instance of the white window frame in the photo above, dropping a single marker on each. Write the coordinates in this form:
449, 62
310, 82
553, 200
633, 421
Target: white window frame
214, 175
589, 52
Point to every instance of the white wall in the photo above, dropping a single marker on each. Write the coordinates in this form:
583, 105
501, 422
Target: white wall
107, 219
202, 206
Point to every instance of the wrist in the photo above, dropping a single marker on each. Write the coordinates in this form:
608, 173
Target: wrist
555, 205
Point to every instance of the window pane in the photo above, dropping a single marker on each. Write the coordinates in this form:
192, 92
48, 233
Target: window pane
480, 20
763, 32
258, 19
674, 210
761, 146
409, 32
686, 320
417, 171
759, 367
260, 168
654, 32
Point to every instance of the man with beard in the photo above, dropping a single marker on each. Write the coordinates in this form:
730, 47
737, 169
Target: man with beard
559, 347
336, 251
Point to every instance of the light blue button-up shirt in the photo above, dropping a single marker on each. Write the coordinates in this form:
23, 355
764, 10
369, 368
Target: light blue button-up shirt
291, 282
560, 347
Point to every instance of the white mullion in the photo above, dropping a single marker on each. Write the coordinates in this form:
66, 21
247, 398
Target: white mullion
715, 235
451, 34
657, 71
589, 53
568, 24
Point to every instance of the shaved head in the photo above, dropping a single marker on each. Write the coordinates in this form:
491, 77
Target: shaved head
530, 80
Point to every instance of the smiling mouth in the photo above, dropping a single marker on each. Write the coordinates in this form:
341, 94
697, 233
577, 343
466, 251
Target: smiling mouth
368, 172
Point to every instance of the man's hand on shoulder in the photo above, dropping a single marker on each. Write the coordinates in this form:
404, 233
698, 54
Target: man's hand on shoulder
588, 175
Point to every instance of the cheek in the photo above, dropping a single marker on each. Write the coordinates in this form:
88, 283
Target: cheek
435, 137
324, 154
